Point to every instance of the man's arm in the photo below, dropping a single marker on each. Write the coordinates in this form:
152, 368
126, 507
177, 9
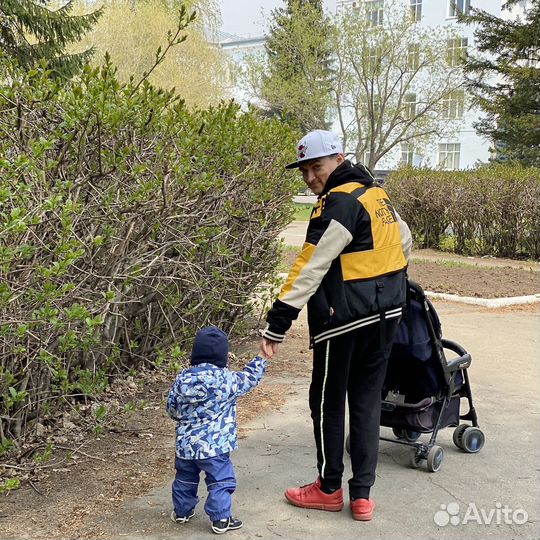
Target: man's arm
406, 236
311, 265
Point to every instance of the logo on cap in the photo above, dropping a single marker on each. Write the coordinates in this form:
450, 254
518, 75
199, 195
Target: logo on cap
316, 144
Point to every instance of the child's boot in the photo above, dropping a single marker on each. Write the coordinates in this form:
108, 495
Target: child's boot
227, 524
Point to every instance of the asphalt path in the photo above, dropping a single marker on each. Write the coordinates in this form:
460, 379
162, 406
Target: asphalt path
490, 495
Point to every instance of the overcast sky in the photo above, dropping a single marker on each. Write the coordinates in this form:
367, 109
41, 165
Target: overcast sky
243, 17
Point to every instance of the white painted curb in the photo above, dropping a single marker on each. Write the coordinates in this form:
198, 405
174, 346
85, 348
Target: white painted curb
487, 302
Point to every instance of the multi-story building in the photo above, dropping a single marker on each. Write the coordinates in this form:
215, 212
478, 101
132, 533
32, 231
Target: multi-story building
465, 148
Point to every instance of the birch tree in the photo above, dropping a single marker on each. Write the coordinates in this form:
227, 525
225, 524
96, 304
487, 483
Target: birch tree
394, 82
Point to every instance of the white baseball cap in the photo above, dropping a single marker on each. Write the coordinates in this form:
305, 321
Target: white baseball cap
317, 144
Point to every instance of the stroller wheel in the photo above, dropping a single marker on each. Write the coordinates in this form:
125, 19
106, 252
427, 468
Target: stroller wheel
414, 459
458, 435
472, 440
435, 459
348, 444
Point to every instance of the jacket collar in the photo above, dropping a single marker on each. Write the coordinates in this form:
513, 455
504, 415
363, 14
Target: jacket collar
347, 172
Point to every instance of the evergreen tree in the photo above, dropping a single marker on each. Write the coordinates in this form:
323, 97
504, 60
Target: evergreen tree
31, 31
296, 85
505, 81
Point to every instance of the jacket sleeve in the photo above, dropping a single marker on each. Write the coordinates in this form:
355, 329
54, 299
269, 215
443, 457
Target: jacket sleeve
249, 377
406, 236
171, 406
324, 242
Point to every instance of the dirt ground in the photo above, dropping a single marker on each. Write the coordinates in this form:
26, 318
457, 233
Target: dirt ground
97, 475
464, 276
476, 281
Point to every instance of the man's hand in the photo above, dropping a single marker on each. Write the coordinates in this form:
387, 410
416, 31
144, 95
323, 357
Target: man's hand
268, 348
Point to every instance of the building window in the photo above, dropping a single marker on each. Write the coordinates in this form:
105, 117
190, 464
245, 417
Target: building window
458, 7
374, 12
413, 57
409, 106
453, 104
374, 61
416, 9
373, 9
449, 156
456, 50
407, 153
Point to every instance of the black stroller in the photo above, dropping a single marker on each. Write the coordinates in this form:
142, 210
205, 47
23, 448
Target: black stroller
422, 390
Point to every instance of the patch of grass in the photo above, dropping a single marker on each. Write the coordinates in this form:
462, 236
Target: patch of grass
302, 211
45, 456
9, 485
452, 264
136, 406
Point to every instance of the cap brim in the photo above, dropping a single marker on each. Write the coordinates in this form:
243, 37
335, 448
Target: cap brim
294, 165
297, 164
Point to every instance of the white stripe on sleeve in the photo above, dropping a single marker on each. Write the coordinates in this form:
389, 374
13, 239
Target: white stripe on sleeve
406, 237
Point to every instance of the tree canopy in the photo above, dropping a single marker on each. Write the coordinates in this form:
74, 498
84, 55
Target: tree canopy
132, 31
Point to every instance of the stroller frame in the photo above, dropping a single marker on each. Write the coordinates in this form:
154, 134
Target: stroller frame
468, 438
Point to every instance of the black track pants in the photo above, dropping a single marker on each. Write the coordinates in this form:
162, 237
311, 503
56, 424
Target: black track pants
353, 364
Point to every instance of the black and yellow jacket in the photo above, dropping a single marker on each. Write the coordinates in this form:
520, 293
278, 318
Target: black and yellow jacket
351, 270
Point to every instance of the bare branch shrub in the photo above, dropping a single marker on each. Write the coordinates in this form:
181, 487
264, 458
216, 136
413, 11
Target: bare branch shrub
126, 223
491, 210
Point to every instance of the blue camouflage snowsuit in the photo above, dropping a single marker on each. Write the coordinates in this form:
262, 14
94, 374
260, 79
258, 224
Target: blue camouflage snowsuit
202, 401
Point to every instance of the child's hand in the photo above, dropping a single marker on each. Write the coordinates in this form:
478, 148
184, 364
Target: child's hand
268, 348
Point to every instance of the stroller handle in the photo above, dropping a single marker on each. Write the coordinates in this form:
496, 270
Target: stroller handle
464, 358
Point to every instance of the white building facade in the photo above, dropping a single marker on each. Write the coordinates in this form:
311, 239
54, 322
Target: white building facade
238, 50
465, 148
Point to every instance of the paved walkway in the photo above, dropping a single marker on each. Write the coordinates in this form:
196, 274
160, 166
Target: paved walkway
279, 452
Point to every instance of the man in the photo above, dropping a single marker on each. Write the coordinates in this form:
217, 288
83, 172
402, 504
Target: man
351, 273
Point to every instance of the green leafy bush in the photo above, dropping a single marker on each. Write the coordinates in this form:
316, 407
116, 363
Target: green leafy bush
126, 223
491, 210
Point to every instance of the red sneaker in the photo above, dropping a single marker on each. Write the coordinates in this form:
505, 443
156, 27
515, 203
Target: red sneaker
311, 496
362, 509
